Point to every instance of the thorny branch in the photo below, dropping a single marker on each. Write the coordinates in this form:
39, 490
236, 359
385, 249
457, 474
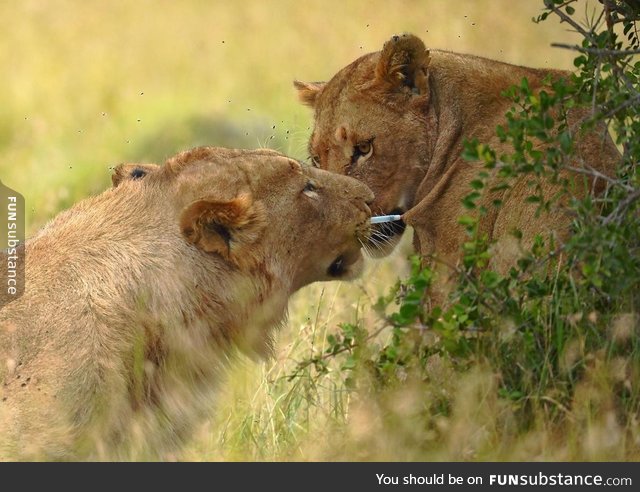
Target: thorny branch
596, 51
622, 207
567, 18
614, 56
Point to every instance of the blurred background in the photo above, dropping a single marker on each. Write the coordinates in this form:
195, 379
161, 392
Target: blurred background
90, 84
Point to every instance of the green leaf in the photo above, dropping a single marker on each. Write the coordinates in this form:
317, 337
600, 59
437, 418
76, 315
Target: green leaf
490, 278
469, 200
580, 61
566, 142
533, 199
350, 363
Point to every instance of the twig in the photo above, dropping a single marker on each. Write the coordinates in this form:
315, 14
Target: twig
589, 171
622, 206
566, 18
327, 355
596, 51
620, 107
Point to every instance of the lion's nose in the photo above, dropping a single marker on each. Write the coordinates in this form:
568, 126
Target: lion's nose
369, 198
367, 195
362, 193
363, 205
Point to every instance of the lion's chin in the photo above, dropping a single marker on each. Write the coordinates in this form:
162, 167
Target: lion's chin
346, 266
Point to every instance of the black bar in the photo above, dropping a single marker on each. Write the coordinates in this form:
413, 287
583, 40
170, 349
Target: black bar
325, 477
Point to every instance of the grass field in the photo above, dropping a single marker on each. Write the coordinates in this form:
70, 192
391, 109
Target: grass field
87, 85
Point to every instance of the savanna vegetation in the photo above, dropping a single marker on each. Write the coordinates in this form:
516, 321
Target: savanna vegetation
540, 364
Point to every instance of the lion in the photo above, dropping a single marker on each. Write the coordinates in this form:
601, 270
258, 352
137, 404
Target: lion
397, 120
136, 299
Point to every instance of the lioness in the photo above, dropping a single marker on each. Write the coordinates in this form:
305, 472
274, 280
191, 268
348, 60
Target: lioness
397, 120
134, 297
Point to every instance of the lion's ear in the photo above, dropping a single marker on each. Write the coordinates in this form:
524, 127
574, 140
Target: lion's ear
223, 227
403, 64
124, 172
308, 92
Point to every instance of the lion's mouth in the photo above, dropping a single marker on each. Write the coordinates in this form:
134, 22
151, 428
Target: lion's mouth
383, 234
388, 229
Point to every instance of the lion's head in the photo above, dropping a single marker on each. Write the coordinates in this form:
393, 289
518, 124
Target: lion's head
370, 124
250, 206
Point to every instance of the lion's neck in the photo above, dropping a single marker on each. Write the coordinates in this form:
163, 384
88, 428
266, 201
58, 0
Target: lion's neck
466, 102
469, 89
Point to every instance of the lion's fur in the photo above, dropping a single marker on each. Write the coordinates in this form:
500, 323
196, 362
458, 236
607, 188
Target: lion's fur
418, 107
135, 297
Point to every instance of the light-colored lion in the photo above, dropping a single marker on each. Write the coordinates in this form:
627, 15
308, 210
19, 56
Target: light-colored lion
397, 120
135, 297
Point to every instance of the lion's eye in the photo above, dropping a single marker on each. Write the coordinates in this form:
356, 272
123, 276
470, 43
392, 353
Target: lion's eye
362, 150
310, 188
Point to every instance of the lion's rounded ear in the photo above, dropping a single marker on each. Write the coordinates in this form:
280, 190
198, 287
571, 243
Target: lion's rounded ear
223, 227
403, 64
124, 172
308, 92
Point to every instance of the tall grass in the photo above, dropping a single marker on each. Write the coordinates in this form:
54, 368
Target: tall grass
87, 85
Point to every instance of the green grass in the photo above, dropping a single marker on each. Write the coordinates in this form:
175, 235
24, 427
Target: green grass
87, 85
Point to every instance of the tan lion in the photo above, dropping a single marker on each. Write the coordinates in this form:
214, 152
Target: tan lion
397, 120
134, 298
